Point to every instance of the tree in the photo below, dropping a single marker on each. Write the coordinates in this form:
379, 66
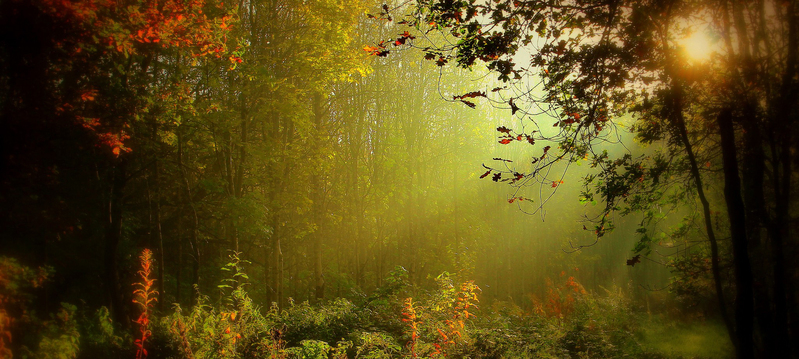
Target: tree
89, 72
585, 66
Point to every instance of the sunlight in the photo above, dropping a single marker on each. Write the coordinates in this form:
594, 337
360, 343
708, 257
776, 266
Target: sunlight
698, 46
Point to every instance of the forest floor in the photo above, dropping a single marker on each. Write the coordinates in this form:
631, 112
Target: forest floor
684, 339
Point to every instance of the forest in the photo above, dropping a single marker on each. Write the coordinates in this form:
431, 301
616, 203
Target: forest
399, 179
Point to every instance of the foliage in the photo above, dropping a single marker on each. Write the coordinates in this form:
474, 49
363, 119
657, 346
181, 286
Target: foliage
60, 336
144, 295
439, 322
16, 282
101, 338
376, 345
560, 299
691, 282
328, 322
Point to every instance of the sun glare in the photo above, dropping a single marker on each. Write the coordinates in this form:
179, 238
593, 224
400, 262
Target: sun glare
698, 46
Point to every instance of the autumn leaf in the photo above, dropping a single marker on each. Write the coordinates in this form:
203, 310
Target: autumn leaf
503, 129
469, 103
505, 141
472, 94
407, 35
485, 174
513, 107
88, 95
634, 260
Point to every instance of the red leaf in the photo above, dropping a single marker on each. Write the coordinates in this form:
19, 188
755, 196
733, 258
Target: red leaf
485, 174
505, 141
407, 35
469, 103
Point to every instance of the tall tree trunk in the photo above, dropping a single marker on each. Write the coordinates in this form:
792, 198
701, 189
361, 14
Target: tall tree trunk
744, 305
782, 183
113, 236
318, 201
157, 238
678, 121
179, 268
752, 180
193, 241
277, 262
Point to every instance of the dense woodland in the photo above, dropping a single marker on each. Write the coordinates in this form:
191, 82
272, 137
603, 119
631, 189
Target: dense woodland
431, 178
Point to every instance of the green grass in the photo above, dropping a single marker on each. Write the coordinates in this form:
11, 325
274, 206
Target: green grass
704, 339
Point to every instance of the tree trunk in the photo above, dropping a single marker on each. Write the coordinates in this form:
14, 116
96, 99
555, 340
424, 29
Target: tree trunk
113, 236
196, 253
678, 121
159, 238
782, 185
318, 202
752, 179
744, 306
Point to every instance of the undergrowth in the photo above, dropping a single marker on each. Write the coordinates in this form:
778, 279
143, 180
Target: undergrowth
395, 321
